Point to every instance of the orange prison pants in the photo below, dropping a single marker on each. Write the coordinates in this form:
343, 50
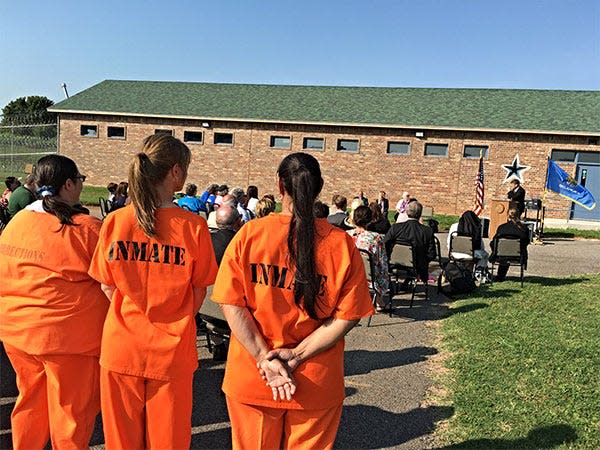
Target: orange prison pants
59, 398
141, 413
259, 427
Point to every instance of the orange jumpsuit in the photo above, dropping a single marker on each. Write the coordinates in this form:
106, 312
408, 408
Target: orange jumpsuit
148, 354
254, 273
52, 313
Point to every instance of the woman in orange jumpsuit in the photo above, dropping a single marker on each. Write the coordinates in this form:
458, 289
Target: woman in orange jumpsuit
52, 312
155, 261
291, 286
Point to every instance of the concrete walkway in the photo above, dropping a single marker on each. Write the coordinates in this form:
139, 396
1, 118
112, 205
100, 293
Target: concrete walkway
388, 367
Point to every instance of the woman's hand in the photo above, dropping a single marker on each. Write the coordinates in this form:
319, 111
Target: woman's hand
278, 377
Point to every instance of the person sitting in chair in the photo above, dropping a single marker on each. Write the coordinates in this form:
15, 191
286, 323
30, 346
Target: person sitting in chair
470, 225
419, 236
513, 228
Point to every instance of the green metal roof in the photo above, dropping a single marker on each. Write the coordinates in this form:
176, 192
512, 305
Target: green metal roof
464, 109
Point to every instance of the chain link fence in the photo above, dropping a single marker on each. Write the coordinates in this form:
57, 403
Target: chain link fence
24, 140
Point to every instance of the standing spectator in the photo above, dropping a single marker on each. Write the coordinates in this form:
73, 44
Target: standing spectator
228, 223
154, 261
52, 312
252, 193
11, 184
22, 196
293, 325
190, 201
401, 208
222, 191
362, 198
208, 197
383, 203
373, 243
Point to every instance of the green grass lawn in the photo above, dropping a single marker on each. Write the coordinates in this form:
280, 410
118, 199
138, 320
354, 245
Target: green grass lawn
525, 365
571, 233
90, 194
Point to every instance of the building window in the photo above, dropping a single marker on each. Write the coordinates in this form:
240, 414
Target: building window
436, 149
398, 148
564, 155
162, 131
347, 145
223, 138
89, 130
589, 157
193, 137
474, 151
313, 143
115, 132
281, 141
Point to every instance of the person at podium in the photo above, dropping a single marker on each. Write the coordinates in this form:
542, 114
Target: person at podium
517, 195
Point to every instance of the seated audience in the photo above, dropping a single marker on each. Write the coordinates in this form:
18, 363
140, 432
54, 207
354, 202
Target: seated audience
338, 216
419, 236
208, 197
252, 194
112, 190
379, 223
11, 184
373, 243
356, 202
222, 191
228, 223
265, 206
227, 199
513, 228
321, 210
190, 201
22, 196
242, 201
470, 225
121, 198
383, 203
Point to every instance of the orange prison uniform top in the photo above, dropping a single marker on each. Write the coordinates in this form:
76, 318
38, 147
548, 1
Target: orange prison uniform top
51, 316
148, 351
254, 274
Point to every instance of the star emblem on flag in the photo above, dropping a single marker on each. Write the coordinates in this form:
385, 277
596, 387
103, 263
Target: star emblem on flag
515, 170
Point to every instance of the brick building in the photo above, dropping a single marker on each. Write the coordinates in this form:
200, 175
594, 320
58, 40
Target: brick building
426, 141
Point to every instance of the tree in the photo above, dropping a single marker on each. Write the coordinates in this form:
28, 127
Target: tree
30, 110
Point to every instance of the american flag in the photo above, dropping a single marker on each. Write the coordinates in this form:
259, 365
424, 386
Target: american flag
480, 189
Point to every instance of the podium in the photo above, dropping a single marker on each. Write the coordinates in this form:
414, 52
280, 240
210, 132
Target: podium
498, 215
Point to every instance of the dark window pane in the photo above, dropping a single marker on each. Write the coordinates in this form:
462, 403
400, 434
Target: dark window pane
313, 143
436, 149
280, 141
223, 138
347, 145
89, 130
589, 157
474, 151
563, 155
192, 136
160, 131
398, 148
116, 132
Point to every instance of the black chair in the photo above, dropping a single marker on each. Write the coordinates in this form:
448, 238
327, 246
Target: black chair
216, 328
507, 250
402, 264
369, 266
4, 217
104, 206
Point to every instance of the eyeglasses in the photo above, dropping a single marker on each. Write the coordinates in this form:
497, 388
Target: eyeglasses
79, 177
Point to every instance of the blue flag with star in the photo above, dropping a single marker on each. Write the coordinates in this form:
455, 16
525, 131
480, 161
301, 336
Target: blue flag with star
563, 184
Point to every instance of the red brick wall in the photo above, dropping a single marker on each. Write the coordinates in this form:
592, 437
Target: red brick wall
446, 183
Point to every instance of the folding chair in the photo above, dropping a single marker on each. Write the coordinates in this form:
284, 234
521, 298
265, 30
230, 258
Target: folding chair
403, 261
507, 250
217, 329
367, 259
104, 206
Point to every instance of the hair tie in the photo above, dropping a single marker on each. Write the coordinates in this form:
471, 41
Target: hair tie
46, 191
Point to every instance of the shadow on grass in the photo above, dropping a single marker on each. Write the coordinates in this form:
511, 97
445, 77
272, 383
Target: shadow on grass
543, 437
358, 362
365, 426
547, 281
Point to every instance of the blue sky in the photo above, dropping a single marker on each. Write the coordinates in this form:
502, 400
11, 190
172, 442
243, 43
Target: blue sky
543, 44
